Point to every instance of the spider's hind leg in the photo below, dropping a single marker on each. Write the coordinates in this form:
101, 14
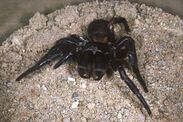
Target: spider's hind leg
118, 20
129, 44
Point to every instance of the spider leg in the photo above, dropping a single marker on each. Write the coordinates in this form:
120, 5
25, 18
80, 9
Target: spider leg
62, 60
51, 55
129, 44
133, 88
62, 48
118, 20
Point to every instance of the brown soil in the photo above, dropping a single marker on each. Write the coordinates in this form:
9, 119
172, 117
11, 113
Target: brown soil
59, 95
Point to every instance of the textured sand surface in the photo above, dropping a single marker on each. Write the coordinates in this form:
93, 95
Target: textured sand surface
61, 95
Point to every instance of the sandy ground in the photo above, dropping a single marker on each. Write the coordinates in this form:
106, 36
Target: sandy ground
49, 95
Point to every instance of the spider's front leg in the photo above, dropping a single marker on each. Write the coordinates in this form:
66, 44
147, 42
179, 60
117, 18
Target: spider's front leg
128, 44
133, 88
64, 49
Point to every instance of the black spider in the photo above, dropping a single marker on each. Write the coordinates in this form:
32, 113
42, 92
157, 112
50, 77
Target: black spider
98, 54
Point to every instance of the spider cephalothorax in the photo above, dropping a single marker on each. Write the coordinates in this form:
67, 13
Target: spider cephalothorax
97, 54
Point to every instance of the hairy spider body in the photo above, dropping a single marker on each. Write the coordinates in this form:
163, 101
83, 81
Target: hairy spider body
97, 54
